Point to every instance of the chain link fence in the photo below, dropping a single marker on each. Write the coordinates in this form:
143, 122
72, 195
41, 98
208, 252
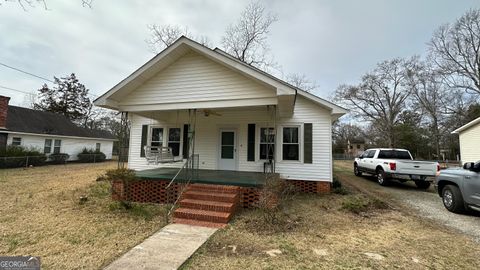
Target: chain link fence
39, 160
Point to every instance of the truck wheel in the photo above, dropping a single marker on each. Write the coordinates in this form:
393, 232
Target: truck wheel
356, 171
422, 184
452, 199
381, 177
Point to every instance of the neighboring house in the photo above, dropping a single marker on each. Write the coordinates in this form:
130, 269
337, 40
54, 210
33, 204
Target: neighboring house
242, 116
469, 136
355, 147
48, 132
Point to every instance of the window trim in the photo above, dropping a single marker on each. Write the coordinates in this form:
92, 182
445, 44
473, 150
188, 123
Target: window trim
98, 146
180, 140
166, 133
300, 143
19, 142
45, 146
259, 138
59, 147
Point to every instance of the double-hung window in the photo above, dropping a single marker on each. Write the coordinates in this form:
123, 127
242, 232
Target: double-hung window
17, 141
291, 145
57, 146
47, 148
157, 137
267, 143
97, 147
174, 140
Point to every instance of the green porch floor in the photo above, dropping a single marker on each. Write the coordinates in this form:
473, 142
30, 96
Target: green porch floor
234, 178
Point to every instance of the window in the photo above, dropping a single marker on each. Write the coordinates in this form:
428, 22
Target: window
57, 146
174, 140
97, 147
157, 137
290, 147
47, 148
371, 153
16, 141
394, 154
267, 143
358, 146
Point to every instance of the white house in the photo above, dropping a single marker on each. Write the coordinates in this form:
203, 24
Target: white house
48, 132
237, 113
469, 135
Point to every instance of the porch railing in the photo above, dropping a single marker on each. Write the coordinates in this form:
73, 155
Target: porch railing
180, 182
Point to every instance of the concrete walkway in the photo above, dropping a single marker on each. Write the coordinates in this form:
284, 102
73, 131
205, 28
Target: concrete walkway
169, 248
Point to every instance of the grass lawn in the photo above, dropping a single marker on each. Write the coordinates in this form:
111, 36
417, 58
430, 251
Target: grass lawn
41, 215
334, 232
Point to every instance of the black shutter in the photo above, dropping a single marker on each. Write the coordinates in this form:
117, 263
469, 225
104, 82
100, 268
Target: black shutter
251, 143
186, 144
144, 140
307, 143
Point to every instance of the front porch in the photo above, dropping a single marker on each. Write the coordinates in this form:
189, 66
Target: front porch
204, 176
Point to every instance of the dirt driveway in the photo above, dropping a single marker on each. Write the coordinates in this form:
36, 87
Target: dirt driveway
426, 203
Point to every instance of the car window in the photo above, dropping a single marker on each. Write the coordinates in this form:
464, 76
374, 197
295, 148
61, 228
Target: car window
394, 154
371, 153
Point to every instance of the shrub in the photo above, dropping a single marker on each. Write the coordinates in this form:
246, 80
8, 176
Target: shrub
337, 187
360, 204
125, 176
18, 156
59, 158
272, 198
91, 155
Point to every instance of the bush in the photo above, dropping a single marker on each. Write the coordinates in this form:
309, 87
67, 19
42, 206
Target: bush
337, 187
90, 155
16, 156
360, 204
59, 158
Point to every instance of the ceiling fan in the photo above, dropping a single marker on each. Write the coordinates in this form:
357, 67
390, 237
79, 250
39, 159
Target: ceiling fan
208, 112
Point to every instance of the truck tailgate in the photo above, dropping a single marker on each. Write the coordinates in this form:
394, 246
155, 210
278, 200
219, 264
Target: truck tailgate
413, 167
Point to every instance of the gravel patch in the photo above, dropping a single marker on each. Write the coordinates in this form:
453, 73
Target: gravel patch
425, 203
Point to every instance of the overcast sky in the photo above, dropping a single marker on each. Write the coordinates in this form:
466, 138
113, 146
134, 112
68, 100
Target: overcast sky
331, 42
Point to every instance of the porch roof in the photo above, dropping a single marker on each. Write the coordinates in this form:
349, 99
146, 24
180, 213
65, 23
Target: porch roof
218, 177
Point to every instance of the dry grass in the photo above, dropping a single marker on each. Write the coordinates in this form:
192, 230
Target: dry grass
41, 215
324, 225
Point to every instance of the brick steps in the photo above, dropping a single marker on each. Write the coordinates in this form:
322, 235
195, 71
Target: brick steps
203, 215
209, 196
220, 188
207, 205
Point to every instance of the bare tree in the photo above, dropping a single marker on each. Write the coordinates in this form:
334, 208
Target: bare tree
381, 96
301, 81
246, 40
32, 3
455, 50
431, 97
162, 36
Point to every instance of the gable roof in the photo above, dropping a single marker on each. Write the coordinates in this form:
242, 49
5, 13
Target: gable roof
26, 120
179, 48
467, 126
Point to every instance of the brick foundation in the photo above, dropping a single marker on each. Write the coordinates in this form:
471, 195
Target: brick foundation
153, 191
145, 191
311, 186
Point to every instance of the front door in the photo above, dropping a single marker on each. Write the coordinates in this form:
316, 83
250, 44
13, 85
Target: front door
228, 149
471, 184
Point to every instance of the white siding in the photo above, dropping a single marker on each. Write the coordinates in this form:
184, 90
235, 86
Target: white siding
195, 78
469, 144
71, 146
207, 139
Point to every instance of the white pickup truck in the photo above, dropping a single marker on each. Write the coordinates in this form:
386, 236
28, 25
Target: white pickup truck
388, 164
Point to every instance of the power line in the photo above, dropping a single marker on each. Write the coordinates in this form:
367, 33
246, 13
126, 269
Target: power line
13, 89
26, 72
31, 74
